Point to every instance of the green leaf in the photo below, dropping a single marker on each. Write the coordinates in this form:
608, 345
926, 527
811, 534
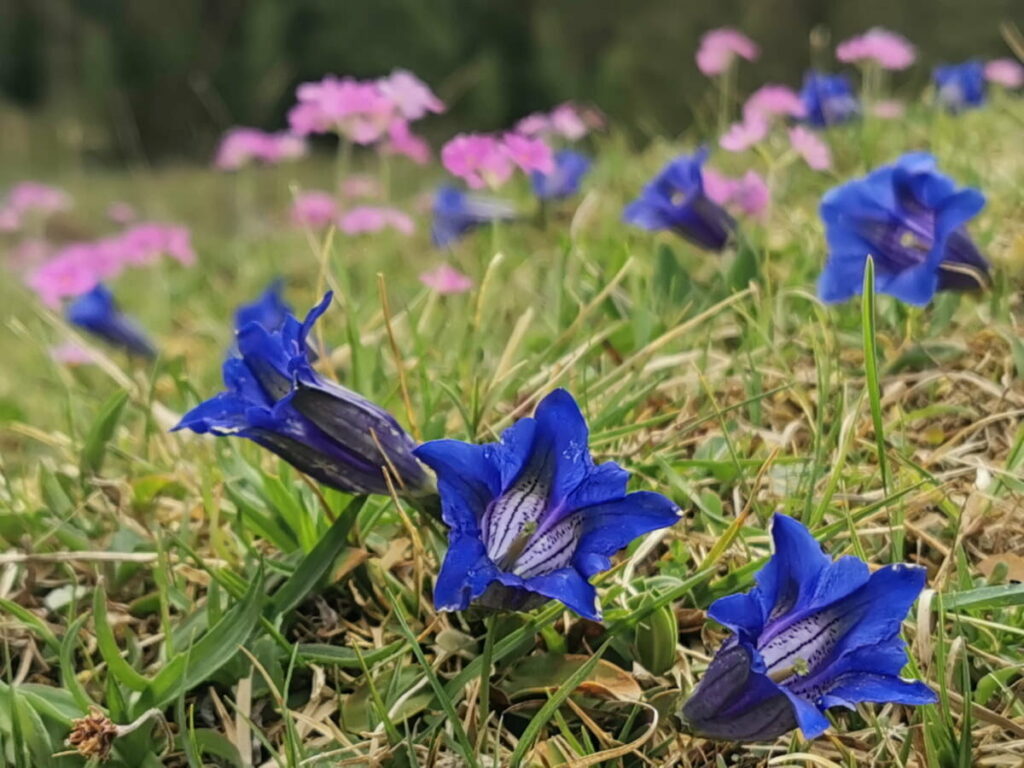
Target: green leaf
1001, 596
315, 566
212, 651
31, 621
67, 664
119, 668
342, 656
95, 447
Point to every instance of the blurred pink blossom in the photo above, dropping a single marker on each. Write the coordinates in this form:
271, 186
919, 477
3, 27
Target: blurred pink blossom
888, 49
28, 253
31, 197
741, 136
314, 209
535, 124
361, 185
773, 100
1005, 72
402, 141
530, 154
145, 243
719, 47
240, 147
364, 219
121, 212
445, 280
749, 193
10, 220
410, 95
71, 354
888, 109
68, 273
480, 160
567, 122
359, 111
811, 147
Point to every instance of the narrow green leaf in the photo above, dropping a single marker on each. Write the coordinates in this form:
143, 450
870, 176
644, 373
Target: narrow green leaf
67, 664
1001, 596
119, 668
102, 429
33, 622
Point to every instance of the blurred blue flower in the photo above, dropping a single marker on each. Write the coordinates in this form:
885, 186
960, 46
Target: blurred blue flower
456, 213
675, 200
531, 517
828, 99
269, 310
960, 86
813, 634
564, 181
275, 398
910, 218
98, 313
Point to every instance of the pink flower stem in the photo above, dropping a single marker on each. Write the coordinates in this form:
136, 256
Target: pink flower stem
342, 161
726, 83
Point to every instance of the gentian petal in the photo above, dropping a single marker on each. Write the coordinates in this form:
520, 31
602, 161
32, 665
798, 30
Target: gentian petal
611, 526
467, 478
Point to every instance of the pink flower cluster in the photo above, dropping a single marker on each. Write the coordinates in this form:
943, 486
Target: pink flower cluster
763, 106
446, 280
365, 112
242, 146
888, 49
484, 160
1005, 72
811, 147
719, 47
567, 121
316, 210
77, 267
31, 197
748, 194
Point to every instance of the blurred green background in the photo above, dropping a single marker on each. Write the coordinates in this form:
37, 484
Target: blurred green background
158, 80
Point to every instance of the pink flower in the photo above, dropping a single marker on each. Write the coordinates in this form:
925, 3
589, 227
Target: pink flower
741, 136
283, 146
359, 111
314, 209
888, 109
71, 354
888, 49
28, 254
402, 141
240, 147
410, 95
121, 212
478, 159
811, 148
69, 273
567, 122
1005, 72
530, 154
364, 219
536, 124
748, 194
771, 100
445, 280
361, 186
145, 243
10, 219
31, 196
719, 47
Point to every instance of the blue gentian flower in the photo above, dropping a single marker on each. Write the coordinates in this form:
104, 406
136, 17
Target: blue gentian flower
675, 200
456, 213
275, 398
531, 517
98, 313
269, 310
813, 634
828, 99
960, 86
564, 181
910, 218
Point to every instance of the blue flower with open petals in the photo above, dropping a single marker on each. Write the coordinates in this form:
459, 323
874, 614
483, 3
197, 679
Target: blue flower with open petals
269, 310
564, 181
960, 86
275, 398
813, 634
532, 517
828, 99
910, 219
456, 213
98, 313
675, 200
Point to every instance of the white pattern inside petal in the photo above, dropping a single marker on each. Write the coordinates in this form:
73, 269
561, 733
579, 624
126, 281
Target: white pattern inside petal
508, 516
803, 645
549, 550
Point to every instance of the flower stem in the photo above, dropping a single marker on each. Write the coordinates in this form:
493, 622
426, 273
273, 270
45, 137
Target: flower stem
486, 658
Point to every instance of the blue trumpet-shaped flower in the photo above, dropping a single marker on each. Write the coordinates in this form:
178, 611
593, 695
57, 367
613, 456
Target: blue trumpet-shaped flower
813, 634
564, 181
532, 517
98, 313
456, 213
910, 219
269, 310
960, 86
828, 99
675, 200
275, 398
